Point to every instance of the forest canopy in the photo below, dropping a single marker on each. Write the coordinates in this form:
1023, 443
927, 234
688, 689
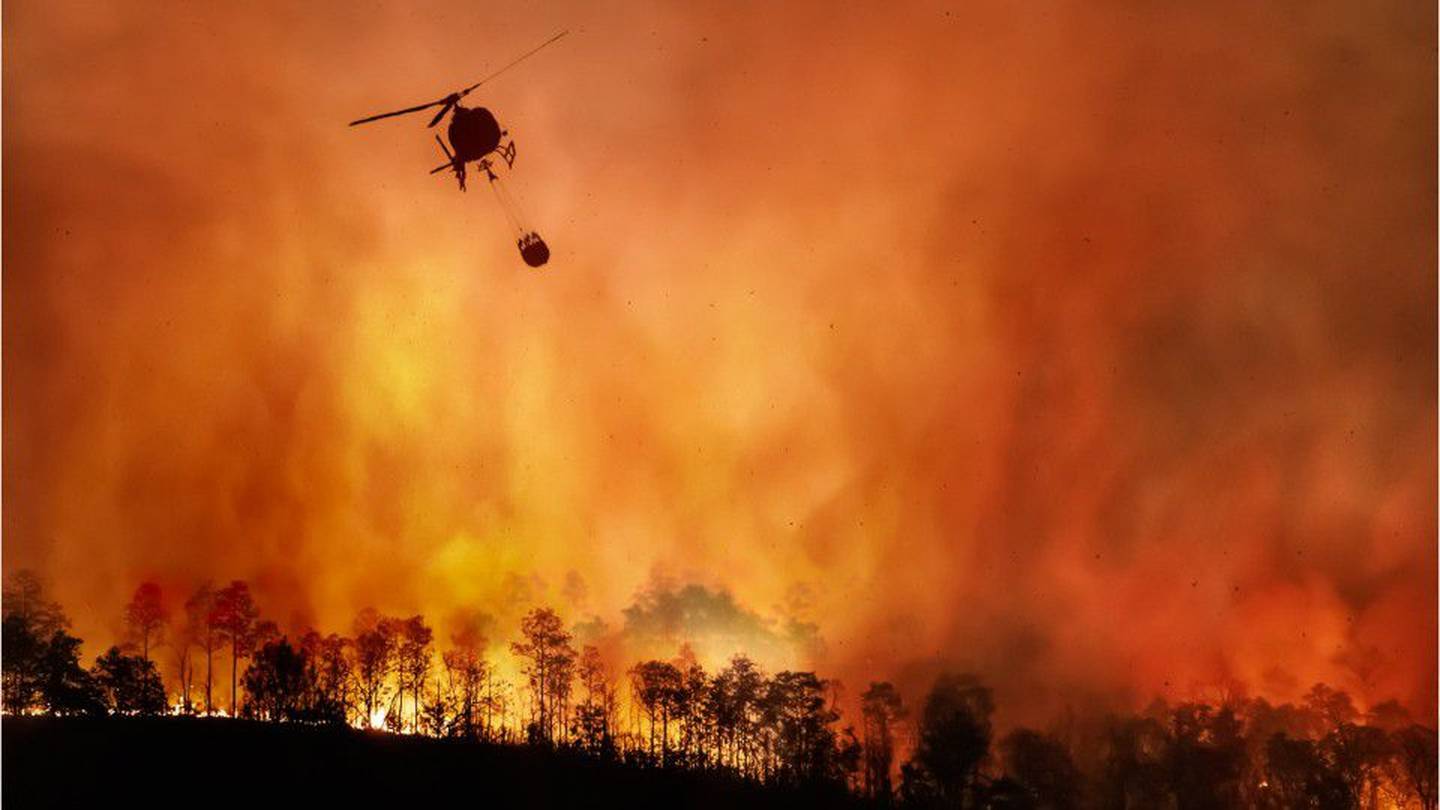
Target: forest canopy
939, 749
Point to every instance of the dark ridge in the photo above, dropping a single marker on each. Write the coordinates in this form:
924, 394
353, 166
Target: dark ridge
75, 762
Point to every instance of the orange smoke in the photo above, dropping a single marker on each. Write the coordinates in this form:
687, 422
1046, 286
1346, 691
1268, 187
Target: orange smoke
1092, 349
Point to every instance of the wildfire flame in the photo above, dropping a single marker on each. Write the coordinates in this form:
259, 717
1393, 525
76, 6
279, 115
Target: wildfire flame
1041, 347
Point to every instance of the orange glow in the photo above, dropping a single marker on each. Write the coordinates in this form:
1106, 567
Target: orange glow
1090, 350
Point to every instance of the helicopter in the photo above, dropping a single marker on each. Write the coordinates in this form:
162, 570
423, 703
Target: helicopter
476, 137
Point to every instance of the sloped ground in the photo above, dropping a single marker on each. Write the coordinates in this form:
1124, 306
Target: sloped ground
202, 764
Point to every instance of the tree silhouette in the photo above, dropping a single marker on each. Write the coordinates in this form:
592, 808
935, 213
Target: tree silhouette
1415, 757
1041, 769
1388, 715
412, 661
656, 685
548, 666
201, 624
496, 704
24, 598
263, 632
954, 740
1297, 775
131, 683
436, 715
393, 629
146, 616
594, 717
20, 666
739, 724
1355, 754
234, 615
65, 687
848, 753
30, 621
805, 750
1006, 793
328, 676
880, 708
690, 708
560, 685
735, 711
1133, 772
1329, 708
40, 666
1206, 757
277, 682
373, 649
183, 637
465, 671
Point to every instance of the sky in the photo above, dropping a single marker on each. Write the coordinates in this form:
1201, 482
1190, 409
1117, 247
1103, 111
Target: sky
1090, 347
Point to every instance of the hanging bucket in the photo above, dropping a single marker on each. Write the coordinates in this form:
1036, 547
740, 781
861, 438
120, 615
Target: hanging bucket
533, 249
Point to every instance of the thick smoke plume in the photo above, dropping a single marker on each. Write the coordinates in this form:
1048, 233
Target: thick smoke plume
1088, 346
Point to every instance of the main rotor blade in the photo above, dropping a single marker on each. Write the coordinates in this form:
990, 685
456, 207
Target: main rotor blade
405, 111
449, 102
517, 60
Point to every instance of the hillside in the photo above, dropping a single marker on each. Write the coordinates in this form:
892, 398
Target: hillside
184, 762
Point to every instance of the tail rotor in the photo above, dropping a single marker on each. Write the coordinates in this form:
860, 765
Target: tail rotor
454, 165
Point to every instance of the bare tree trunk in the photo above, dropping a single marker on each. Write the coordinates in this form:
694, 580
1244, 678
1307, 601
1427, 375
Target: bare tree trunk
234, 663
185, 680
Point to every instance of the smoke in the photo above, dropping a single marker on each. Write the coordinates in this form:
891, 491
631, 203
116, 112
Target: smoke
1090, 348
665, 618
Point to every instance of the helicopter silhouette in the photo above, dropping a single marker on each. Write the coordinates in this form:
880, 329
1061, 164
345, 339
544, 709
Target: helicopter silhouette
476, 137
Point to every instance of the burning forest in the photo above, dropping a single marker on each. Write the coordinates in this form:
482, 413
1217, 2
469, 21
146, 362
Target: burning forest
785, 729
950, 403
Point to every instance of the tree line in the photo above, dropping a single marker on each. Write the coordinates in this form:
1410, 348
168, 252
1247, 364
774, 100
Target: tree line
781, 728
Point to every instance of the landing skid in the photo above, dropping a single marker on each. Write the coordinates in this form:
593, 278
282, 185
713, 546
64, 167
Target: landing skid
505, 152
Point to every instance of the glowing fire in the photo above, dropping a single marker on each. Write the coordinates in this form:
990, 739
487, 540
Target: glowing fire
946, 345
